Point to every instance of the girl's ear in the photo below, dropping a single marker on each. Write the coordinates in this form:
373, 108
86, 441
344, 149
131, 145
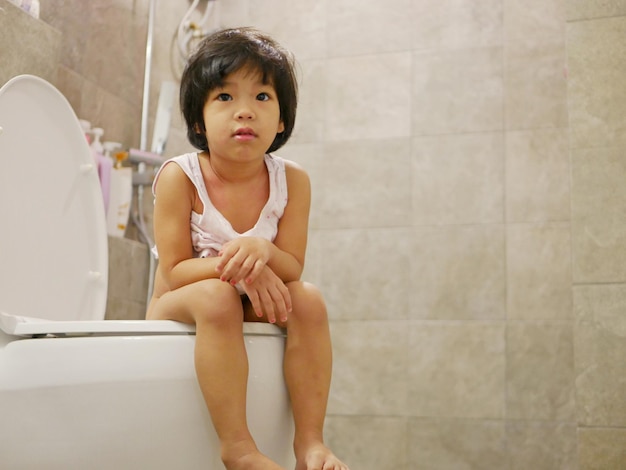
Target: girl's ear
281, 127
197, 129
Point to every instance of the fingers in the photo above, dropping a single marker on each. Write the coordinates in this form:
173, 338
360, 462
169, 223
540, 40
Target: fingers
242, 259
256, 303
231, 263
282, 301
241, 268
269, 297
273, 303
254, 273
226, 254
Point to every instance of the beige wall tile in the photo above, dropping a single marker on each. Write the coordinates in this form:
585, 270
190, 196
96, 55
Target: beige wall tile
537, 175
456, 369
458, 179
310, 119
601, 449
299, 26
357, 86
370, 368
366, 27
588, 9
315, 258
177, 142
73, 19
124, 309
114, 57
600, 344
534, 21
364, 184
140, 264
442, 444
234, 13
128, 269
120, 120
365, 274
596, 89
457, 91
539, 273
71, 85
536, 86
469, 23
458, 272
540, 372
369, 442
28, 46
598, 224
311, 157
541, 445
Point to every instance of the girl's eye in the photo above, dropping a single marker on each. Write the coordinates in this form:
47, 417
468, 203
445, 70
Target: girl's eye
224, 97
263, 97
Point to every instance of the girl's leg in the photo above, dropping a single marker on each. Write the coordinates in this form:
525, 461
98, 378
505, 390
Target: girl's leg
308, 368
221, 363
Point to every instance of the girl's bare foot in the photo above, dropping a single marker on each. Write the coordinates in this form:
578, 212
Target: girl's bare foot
318, 457
245, 456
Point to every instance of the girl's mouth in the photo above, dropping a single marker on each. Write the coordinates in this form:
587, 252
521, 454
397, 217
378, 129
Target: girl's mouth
244, 134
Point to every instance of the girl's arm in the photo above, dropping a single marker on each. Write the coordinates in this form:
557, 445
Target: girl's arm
174, 199
245, 257
289, 248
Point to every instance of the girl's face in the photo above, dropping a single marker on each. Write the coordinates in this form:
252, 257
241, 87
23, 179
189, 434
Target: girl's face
242, 117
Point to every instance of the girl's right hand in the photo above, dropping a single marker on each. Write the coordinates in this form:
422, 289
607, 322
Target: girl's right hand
269, 296
242, 259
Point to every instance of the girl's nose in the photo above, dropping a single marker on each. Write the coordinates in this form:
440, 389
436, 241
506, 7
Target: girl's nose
244, 112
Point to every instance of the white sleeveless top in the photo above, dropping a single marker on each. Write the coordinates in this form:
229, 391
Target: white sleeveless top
210, 230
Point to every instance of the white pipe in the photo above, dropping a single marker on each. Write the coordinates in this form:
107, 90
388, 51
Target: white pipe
143, 144
184, 31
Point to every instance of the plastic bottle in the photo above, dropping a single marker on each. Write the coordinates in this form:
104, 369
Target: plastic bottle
104, 165
86, 127
120, 197
29, 6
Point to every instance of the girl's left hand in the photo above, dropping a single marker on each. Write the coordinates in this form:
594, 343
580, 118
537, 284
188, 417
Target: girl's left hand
243, 259
269, 296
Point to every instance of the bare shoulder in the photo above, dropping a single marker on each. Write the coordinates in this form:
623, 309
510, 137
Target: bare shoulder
174, 191
173, 180
297, 176
171, 174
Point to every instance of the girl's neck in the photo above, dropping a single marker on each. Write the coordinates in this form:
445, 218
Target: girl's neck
234, 172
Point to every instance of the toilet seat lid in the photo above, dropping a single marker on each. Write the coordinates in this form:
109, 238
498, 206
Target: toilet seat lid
53, 242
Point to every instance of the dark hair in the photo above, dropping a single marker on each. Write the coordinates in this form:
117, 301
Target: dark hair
228, 51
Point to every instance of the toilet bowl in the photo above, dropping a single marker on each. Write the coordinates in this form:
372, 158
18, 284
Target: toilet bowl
76, 391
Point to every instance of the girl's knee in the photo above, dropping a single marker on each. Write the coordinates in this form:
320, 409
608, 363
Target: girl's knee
215, 301
308, 302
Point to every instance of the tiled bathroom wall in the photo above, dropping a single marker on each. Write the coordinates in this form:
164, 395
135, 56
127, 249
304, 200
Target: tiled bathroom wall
597, 104
467, 161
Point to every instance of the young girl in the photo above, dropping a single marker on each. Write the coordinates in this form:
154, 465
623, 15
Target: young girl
231, 224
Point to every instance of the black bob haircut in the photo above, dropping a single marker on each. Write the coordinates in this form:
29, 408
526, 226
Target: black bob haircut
228, 51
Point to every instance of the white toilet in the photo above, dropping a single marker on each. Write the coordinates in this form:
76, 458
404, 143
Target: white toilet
76, 391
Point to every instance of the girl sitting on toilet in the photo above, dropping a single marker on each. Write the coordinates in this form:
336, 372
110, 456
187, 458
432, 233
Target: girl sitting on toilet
230, 225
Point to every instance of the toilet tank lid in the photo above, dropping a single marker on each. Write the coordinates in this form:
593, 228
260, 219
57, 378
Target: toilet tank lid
53, 242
